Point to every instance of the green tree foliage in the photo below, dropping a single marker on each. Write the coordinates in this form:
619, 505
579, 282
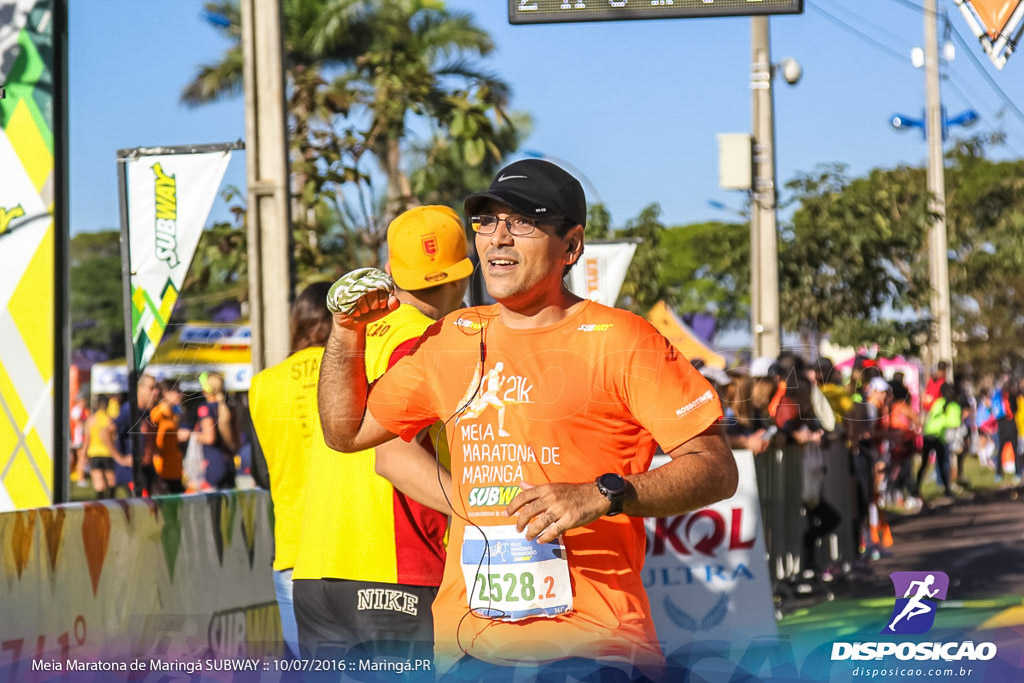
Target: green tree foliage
442, 173
854, 261
218, 273
358, 73
644, 285
599, 222
706, 267
853, 257
323, 158
415, 58
97, 318
985, 221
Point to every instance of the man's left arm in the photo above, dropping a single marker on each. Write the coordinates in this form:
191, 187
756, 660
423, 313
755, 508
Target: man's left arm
702, 472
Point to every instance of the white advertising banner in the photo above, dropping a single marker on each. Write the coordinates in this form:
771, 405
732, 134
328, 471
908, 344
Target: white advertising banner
706, 572
158, 583
169, 199
108, 378
601, 270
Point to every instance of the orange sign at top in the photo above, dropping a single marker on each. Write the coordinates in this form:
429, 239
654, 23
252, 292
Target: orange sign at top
995, 14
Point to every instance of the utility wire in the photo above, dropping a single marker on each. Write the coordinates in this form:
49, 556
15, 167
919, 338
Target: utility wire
899, 39
984, 72
967, 100
860, 34
970, 53
914, 6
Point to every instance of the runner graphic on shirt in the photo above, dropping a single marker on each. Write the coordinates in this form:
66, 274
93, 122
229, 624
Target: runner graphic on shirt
914, 606
492, 382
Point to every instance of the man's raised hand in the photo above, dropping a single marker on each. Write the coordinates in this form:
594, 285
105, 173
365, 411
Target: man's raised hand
361, 296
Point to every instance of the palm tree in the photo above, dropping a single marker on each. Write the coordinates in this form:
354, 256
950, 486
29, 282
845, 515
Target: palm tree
390, 61
413, 57
314, 104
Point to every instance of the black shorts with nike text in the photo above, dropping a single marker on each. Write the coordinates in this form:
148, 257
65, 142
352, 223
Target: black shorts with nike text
362, 618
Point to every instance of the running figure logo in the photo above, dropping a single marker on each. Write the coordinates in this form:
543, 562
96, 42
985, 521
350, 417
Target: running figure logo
916, 593
496, 391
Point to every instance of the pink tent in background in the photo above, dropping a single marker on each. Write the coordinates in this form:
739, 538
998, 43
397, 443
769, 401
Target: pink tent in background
889, 367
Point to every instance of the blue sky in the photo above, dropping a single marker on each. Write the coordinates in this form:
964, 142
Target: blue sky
634, 106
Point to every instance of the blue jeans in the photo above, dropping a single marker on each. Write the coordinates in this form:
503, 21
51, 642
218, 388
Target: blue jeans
283, 591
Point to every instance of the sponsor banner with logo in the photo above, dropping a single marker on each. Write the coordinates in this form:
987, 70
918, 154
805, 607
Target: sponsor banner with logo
113, 379
172, 579
601, 270
29, 240
706, 574
169, 199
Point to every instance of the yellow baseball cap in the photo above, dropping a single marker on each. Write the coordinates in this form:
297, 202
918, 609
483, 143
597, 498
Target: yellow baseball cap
427, 247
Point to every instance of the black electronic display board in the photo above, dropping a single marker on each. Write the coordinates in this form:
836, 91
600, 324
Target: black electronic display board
558, 11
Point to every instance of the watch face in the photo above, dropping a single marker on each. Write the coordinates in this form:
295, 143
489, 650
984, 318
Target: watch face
613, 483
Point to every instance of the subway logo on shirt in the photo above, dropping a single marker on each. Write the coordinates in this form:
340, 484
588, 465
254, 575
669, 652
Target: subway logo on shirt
486, 496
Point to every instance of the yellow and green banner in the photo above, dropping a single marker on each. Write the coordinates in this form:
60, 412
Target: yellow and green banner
168, 198
30, 188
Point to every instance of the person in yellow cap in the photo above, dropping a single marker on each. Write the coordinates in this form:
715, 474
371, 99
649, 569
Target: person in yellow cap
370, 557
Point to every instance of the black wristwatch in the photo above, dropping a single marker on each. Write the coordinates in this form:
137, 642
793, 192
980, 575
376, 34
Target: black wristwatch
614, 488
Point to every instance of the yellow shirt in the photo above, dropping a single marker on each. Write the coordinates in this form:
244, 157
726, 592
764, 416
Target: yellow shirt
282, 401
349, 524
97, 447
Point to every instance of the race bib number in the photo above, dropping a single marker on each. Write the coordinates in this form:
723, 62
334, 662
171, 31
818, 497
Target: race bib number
509, 578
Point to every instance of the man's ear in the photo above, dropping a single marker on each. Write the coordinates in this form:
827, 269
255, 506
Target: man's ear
574, 244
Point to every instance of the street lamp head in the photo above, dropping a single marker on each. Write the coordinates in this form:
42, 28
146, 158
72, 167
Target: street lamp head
965, 119
791, 70
216, 18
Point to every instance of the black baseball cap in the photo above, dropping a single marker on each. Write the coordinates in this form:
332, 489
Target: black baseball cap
537, 189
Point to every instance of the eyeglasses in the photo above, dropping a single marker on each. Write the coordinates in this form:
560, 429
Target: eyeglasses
519, 226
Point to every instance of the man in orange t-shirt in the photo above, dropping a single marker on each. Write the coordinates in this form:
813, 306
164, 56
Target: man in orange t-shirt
554, 408
166, 415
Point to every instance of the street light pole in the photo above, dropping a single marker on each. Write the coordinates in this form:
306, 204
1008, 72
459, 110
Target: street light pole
764, 246
938, 249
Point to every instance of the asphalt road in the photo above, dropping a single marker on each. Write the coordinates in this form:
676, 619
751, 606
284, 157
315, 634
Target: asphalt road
978, 543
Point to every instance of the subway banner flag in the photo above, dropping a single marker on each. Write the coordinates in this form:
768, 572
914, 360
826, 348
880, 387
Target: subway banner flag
32, 235
169, 199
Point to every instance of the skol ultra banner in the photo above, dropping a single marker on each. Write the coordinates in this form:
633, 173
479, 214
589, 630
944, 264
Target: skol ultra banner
169, 199
29, 238
705, 571
601, 270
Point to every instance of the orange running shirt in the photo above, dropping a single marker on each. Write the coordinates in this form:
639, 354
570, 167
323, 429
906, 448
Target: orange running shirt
591, 394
